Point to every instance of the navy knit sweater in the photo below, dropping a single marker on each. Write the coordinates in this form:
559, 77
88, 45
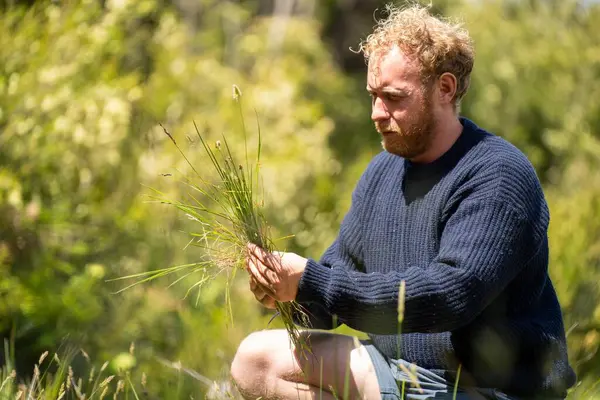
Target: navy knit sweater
468, 235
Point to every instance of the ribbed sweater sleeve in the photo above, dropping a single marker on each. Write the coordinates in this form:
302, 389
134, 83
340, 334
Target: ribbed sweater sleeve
481, 251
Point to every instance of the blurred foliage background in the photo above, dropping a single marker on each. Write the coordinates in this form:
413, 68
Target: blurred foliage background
85, 84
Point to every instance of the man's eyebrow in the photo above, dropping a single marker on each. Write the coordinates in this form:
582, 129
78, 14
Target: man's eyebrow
391, 90
395, 91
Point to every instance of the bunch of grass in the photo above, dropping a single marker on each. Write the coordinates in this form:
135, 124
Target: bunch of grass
228, 214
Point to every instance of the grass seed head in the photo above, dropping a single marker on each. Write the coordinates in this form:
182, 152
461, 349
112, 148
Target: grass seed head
237, 93
120, 387
104, 366
85, 355
43, 357
106, 381
61, 391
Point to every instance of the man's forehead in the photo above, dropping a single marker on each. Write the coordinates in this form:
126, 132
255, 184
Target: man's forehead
391, 66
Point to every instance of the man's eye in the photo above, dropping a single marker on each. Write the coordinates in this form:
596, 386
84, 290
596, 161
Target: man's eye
392, 97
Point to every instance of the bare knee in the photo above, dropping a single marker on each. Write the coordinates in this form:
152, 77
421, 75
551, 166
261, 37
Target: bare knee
252, 364
364, 373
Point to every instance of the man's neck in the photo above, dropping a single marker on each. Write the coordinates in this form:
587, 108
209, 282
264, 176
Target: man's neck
445, 134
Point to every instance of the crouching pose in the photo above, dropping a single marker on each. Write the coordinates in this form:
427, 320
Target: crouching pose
451, 212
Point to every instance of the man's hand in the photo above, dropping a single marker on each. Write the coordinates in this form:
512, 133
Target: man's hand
275, 275
260, 294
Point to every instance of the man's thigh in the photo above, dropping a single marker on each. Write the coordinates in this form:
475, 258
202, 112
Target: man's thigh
336, 363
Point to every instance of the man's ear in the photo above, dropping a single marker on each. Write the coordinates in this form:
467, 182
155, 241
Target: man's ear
447, 85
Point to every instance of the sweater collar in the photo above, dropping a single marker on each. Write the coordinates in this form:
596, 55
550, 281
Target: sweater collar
470, 135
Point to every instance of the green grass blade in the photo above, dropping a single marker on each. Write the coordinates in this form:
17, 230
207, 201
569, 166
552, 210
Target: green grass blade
132, 388
456, 382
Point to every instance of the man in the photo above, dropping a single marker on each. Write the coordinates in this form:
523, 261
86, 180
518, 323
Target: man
451, 213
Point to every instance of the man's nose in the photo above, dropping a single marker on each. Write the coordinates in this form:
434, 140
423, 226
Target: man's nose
379, 111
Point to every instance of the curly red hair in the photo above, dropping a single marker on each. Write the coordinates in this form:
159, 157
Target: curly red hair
438, 44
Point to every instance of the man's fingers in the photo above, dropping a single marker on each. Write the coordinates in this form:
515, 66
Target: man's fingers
256, 251
271, 260
260, 295
268, 302
257, 289
268, 275
253, 269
